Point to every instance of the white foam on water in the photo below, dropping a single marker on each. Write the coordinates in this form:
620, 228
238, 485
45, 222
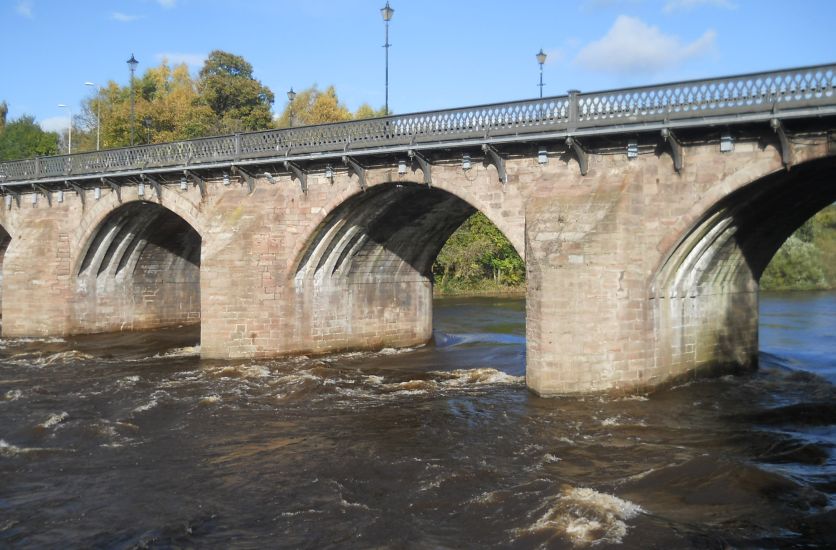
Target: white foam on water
155, 397
60, 358
550, 458
587, 517
346, 504
477, 377
12, 395
187, 351
611, 421
395, 351
54, 420
240, 371
210, 399
488, 497
147, 406
8, 450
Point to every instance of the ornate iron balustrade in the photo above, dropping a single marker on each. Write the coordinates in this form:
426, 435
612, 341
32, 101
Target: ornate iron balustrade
698, 99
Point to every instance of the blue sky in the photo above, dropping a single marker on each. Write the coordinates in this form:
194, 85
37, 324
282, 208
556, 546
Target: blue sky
444, 53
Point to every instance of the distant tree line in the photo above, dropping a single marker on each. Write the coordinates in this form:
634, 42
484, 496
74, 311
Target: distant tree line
170, 104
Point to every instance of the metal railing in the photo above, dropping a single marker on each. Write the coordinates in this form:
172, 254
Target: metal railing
697, 99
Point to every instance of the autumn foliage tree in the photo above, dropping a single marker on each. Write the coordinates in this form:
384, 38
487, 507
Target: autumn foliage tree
315, 106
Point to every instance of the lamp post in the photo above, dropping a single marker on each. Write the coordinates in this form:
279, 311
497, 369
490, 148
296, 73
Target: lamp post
541, 58
98, 113
132, 63
70, 131
291, 95
387, 12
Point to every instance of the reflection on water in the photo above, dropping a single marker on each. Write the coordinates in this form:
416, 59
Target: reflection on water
133, 441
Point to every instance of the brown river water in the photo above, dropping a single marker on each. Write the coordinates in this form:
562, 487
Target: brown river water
132, 441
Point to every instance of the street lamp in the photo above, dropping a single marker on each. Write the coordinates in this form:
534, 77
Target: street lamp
98, 112
291, 95
541, 58
70, 132
387, 12
132, 63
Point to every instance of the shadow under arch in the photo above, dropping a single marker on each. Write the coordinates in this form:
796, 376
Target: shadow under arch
705, 292
364, 279
140, 270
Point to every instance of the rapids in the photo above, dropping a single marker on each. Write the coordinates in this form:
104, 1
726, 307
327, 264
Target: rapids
131, 440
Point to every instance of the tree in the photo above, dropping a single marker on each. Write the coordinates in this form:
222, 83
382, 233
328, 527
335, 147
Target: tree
4, 110
807, 259
315, 106
22, 138
477, 254
239, 101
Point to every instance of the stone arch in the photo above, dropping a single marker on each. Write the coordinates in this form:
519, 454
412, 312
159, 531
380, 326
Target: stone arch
504, 205
705, 291
363, 278
139, 269
94, 216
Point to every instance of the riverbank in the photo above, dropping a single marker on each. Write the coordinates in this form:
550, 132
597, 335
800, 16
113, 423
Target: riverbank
484, 288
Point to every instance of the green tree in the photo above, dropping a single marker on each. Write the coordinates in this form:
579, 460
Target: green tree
22, 138
477, 256
807, 260
239, 101
4, 110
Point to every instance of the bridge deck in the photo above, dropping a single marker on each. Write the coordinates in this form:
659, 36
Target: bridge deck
790, 93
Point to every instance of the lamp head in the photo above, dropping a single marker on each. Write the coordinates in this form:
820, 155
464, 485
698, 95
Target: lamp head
387, 12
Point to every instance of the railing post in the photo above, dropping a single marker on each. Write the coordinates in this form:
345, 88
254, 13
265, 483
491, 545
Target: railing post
573, 109
237, 146
37, 167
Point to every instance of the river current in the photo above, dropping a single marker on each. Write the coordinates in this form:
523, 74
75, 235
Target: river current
132, 441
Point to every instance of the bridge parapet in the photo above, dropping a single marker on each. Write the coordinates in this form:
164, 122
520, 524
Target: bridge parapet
751, 97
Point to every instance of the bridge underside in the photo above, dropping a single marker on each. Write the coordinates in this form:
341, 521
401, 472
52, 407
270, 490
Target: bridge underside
365, 281
705, 298
141, 271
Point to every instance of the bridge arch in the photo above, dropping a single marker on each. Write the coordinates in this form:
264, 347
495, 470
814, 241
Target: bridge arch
705, 291
363, 277
139, 268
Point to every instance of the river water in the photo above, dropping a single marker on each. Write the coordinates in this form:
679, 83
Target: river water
132, 441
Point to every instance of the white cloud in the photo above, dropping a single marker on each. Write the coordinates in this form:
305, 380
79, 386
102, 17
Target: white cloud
167, 3
685, 5
555, 55
55, 124
24, 8
190, 59
633, 46
124, 17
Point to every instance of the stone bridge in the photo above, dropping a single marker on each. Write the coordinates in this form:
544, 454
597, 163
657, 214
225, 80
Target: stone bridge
645, 216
